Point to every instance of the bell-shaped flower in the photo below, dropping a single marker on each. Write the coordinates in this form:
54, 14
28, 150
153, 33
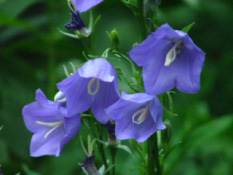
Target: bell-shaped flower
51, 128
137, 116
94, 85
169, 59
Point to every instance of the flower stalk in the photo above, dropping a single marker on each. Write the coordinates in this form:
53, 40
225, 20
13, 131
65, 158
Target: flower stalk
153, 156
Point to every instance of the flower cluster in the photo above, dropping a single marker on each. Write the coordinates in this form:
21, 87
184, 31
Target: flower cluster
169, 59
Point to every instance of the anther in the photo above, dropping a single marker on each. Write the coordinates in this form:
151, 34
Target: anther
91, 84
143, 113
60, 97
54, 126
171, 55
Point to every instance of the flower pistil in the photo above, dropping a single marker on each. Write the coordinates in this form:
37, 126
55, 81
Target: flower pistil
54, 126
91, 84
143, 113
171, 55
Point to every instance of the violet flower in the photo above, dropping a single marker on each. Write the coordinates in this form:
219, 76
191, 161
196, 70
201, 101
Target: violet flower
52, 130
137, 116
169, 59
94, 85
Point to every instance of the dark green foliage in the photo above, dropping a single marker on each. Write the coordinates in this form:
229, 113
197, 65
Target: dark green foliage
32, 52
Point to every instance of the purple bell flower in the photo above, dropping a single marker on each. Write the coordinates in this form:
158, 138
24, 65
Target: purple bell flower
52, 130
84, 5
94, 85
137, 116
169, 59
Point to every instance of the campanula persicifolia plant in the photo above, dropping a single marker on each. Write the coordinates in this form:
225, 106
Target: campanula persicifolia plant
90, 95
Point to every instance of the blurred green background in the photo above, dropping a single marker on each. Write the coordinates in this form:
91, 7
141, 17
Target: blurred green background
32, 52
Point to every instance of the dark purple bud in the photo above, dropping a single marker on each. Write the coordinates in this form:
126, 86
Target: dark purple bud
89, 167
76, 22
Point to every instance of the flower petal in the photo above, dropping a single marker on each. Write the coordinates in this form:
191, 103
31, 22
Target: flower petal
84, 5
107, 95
156, 110
40, 111
152, 47
190, 62
46, 146
99, 68
123, 111
137, 98
157, 77
76, 92
126, 129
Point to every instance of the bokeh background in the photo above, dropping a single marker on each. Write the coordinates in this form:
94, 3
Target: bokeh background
32, 52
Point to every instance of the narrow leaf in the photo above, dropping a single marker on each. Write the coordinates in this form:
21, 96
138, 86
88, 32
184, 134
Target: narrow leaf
187, 28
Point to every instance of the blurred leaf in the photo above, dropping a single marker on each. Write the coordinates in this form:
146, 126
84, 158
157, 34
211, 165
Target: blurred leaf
125, 148
15, 7
210, 130
7, 20
28, 171
187, 28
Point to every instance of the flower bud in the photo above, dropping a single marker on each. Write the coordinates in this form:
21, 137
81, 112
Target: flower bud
111, 131
88, 166
114, 38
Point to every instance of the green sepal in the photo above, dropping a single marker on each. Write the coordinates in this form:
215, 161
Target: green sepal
187, 28
114, 38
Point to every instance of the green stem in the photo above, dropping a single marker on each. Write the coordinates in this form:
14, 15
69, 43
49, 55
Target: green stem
51, 51
153, 156
101, 149
142, 20
113, 152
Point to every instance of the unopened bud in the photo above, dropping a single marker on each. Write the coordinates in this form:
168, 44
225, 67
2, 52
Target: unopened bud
88, 166
114, 38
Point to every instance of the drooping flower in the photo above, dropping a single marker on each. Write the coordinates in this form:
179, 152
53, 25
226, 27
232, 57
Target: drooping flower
169, 59
94, 85
51, 128
137, 116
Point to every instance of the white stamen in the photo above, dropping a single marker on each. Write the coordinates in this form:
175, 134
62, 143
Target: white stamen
171, 56
91, 83
54, 126
142, 117
60, 97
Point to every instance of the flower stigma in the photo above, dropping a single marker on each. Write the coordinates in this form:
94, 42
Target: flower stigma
91, 84
143, 113
54, 126
171, 55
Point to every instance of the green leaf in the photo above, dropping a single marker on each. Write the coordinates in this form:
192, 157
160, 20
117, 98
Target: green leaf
7, 20
125, 148
28, 171
187, 28
15, 7
210, 130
